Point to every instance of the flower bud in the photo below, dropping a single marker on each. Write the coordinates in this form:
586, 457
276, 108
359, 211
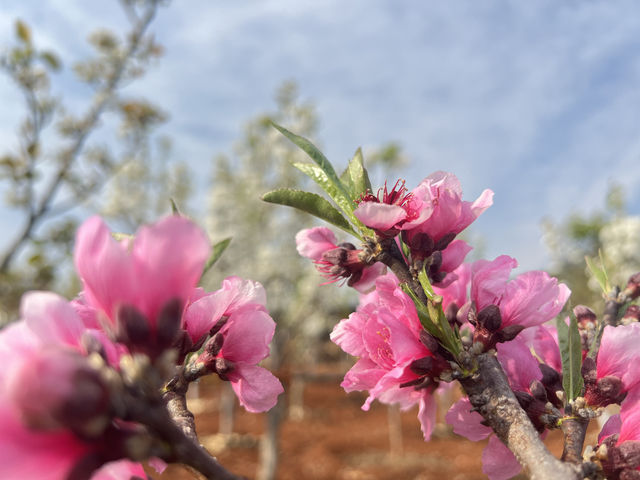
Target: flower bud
133, 328
489, 318
631, 315
168, 323
633, 286
509, 332
585, 316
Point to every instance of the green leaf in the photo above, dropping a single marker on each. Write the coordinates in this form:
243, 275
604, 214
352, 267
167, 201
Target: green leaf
571, 353
216, 252
355, 176
320, 177
310, 203
51, 59
23, 32
174, 207
599, 272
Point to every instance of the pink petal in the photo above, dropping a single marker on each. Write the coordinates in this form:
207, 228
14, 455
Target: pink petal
243, 294
364, 375
104, 267
427, 415
454, 255
489, 280
532, 298
498, 463
348, 334
204, 313
465, 422
246, 336
456, 291
619, 354
369, 277
168, 258
257, 389
27, 454
630, 417
519, 364
313, 242
51, 318
119, 470
612, 427
379, 216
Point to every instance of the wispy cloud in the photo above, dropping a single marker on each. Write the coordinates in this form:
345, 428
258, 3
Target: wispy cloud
536, 100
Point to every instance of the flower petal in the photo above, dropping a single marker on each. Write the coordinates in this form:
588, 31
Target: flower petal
257, 389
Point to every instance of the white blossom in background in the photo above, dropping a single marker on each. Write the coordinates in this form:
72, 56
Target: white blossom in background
620, 240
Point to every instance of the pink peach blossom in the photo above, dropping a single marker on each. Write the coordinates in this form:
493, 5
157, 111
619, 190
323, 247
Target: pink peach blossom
530, 299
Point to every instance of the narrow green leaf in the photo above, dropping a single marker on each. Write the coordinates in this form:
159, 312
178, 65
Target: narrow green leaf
174, 207
310, 203
23, 32
315, 155
571, 353
599, 273
216, 252
355, 176
320, 177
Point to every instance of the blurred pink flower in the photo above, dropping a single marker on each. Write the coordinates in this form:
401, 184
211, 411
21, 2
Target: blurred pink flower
163, 263
336, 262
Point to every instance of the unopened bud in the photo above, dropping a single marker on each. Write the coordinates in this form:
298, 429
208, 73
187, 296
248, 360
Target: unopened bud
509, 332
420, 244
214, 344
589, 371
585, 316
549, 375
133, 327
223, 367
631, 315
422, 366
445, 241
428, 341
489, 317
168, 323
524, 399
538, 391
633, 286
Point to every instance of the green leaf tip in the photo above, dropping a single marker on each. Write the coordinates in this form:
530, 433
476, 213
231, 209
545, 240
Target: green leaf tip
571, 353
216, 252
310, 203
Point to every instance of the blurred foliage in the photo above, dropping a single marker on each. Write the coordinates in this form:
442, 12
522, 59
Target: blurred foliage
61, 162
263, 236
610, 230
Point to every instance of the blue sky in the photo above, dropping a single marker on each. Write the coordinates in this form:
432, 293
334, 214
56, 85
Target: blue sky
538, 101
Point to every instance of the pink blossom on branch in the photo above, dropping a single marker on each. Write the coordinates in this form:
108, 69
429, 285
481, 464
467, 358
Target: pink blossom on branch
141, 285
243, 330
394, 363
337, 262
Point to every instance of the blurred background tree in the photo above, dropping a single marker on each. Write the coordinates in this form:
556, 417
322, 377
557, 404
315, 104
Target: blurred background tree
61, 161
263, 243
610, 230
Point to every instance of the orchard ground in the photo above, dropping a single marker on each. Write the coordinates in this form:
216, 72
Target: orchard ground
336, 440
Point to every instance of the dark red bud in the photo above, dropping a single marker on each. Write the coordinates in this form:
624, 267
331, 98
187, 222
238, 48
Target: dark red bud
218, 325
445, 241
422, 366
632, 314
490, 318
421, 245
538, 391
549, 375
589, 372
633, 286
524, 399
168, 324
336, 256
133, 328
584, 314
451, 312
509, 333
223, 367
347, 246
214, 344
428, 341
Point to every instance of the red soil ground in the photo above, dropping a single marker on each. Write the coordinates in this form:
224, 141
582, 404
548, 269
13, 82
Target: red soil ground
337, 440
